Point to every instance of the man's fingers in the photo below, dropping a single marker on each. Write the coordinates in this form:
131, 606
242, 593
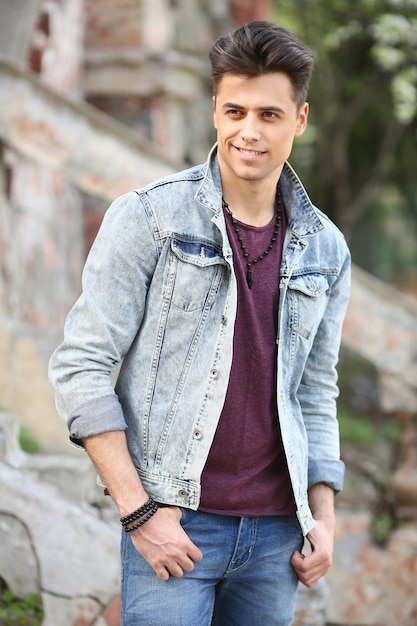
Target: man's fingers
195, 553
310, 568
174, 567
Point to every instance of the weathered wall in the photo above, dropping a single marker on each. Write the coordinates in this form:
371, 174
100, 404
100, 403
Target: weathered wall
145, 64
38, 206
58, 539
16, 28
381, 325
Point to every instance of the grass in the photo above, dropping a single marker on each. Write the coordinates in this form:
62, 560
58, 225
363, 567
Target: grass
363, 431
20, 612
27, 442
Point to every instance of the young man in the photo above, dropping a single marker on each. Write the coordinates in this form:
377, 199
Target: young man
223, 291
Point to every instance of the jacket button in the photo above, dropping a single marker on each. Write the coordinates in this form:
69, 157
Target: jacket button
197, 434
213, 373
182, 493
224, 319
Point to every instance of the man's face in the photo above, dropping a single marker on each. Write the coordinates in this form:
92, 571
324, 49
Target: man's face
256, 121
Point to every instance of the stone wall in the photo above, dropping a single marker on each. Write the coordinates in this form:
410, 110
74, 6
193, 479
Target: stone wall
58, 539
41, 238
146, 65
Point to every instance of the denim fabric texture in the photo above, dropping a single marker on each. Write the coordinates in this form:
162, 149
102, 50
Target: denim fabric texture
244, 579
159, 298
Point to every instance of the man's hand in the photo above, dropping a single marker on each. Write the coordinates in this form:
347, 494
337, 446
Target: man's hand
313, 566
161, 541
165, 546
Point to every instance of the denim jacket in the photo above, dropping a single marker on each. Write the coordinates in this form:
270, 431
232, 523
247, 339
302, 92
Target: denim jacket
159, 296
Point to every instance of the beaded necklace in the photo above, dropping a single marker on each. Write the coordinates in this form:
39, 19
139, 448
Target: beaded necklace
250, 263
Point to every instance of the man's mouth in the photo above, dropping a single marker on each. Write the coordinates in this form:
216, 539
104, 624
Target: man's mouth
249, 153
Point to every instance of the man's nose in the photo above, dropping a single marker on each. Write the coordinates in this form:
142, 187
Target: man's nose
250, 129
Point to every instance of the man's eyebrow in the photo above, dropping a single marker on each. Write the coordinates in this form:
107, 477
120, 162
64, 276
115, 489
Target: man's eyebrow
239, 107
232, 105
274, 108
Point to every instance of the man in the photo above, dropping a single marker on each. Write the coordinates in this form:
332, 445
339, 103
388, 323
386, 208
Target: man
222, 290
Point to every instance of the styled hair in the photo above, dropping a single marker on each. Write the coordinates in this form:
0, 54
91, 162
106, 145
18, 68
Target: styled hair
260, 48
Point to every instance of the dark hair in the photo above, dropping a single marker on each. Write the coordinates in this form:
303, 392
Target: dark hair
261, 48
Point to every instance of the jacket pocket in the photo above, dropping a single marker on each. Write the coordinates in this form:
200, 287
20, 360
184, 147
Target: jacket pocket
308, 300
193, 274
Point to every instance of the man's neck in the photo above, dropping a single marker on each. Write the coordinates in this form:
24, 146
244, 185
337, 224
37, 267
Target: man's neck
254, 208
251, 202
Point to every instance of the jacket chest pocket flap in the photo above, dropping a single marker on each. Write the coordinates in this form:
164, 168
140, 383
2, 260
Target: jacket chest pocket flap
308, 302
194, 274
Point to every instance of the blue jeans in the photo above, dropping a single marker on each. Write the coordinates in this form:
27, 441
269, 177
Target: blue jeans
244, 579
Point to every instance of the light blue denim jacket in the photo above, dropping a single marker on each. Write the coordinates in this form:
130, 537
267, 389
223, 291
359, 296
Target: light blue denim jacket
159, 295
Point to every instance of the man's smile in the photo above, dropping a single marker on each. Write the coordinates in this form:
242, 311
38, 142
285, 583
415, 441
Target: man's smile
249, 153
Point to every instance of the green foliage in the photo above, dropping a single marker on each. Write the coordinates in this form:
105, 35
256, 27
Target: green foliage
27, 442
15, 611
354, 429
382, 525
361, 430
360, 150
359, 415
395, 51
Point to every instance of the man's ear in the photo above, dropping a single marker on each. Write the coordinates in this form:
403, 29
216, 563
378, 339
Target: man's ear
214, 112
302, 119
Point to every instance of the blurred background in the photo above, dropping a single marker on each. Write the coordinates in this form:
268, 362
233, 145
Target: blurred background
98, 97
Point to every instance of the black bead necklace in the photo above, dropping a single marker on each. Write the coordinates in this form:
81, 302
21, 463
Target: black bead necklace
250, 263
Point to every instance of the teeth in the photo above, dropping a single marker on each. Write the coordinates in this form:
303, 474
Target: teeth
249, 152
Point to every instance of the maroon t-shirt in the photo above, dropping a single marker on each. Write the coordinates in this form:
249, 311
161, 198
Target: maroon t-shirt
246, 471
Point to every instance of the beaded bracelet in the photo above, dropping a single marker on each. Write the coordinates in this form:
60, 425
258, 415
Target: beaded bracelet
150, 506
151, 513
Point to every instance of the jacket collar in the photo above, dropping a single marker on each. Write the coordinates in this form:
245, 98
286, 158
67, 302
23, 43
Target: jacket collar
303, 217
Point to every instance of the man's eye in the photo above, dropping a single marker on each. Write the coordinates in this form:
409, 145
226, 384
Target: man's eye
270, 114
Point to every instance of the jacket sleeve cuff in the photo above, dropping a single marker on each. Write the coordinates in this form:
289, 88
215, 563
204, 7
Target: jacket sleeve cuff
331, 472
97, 416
